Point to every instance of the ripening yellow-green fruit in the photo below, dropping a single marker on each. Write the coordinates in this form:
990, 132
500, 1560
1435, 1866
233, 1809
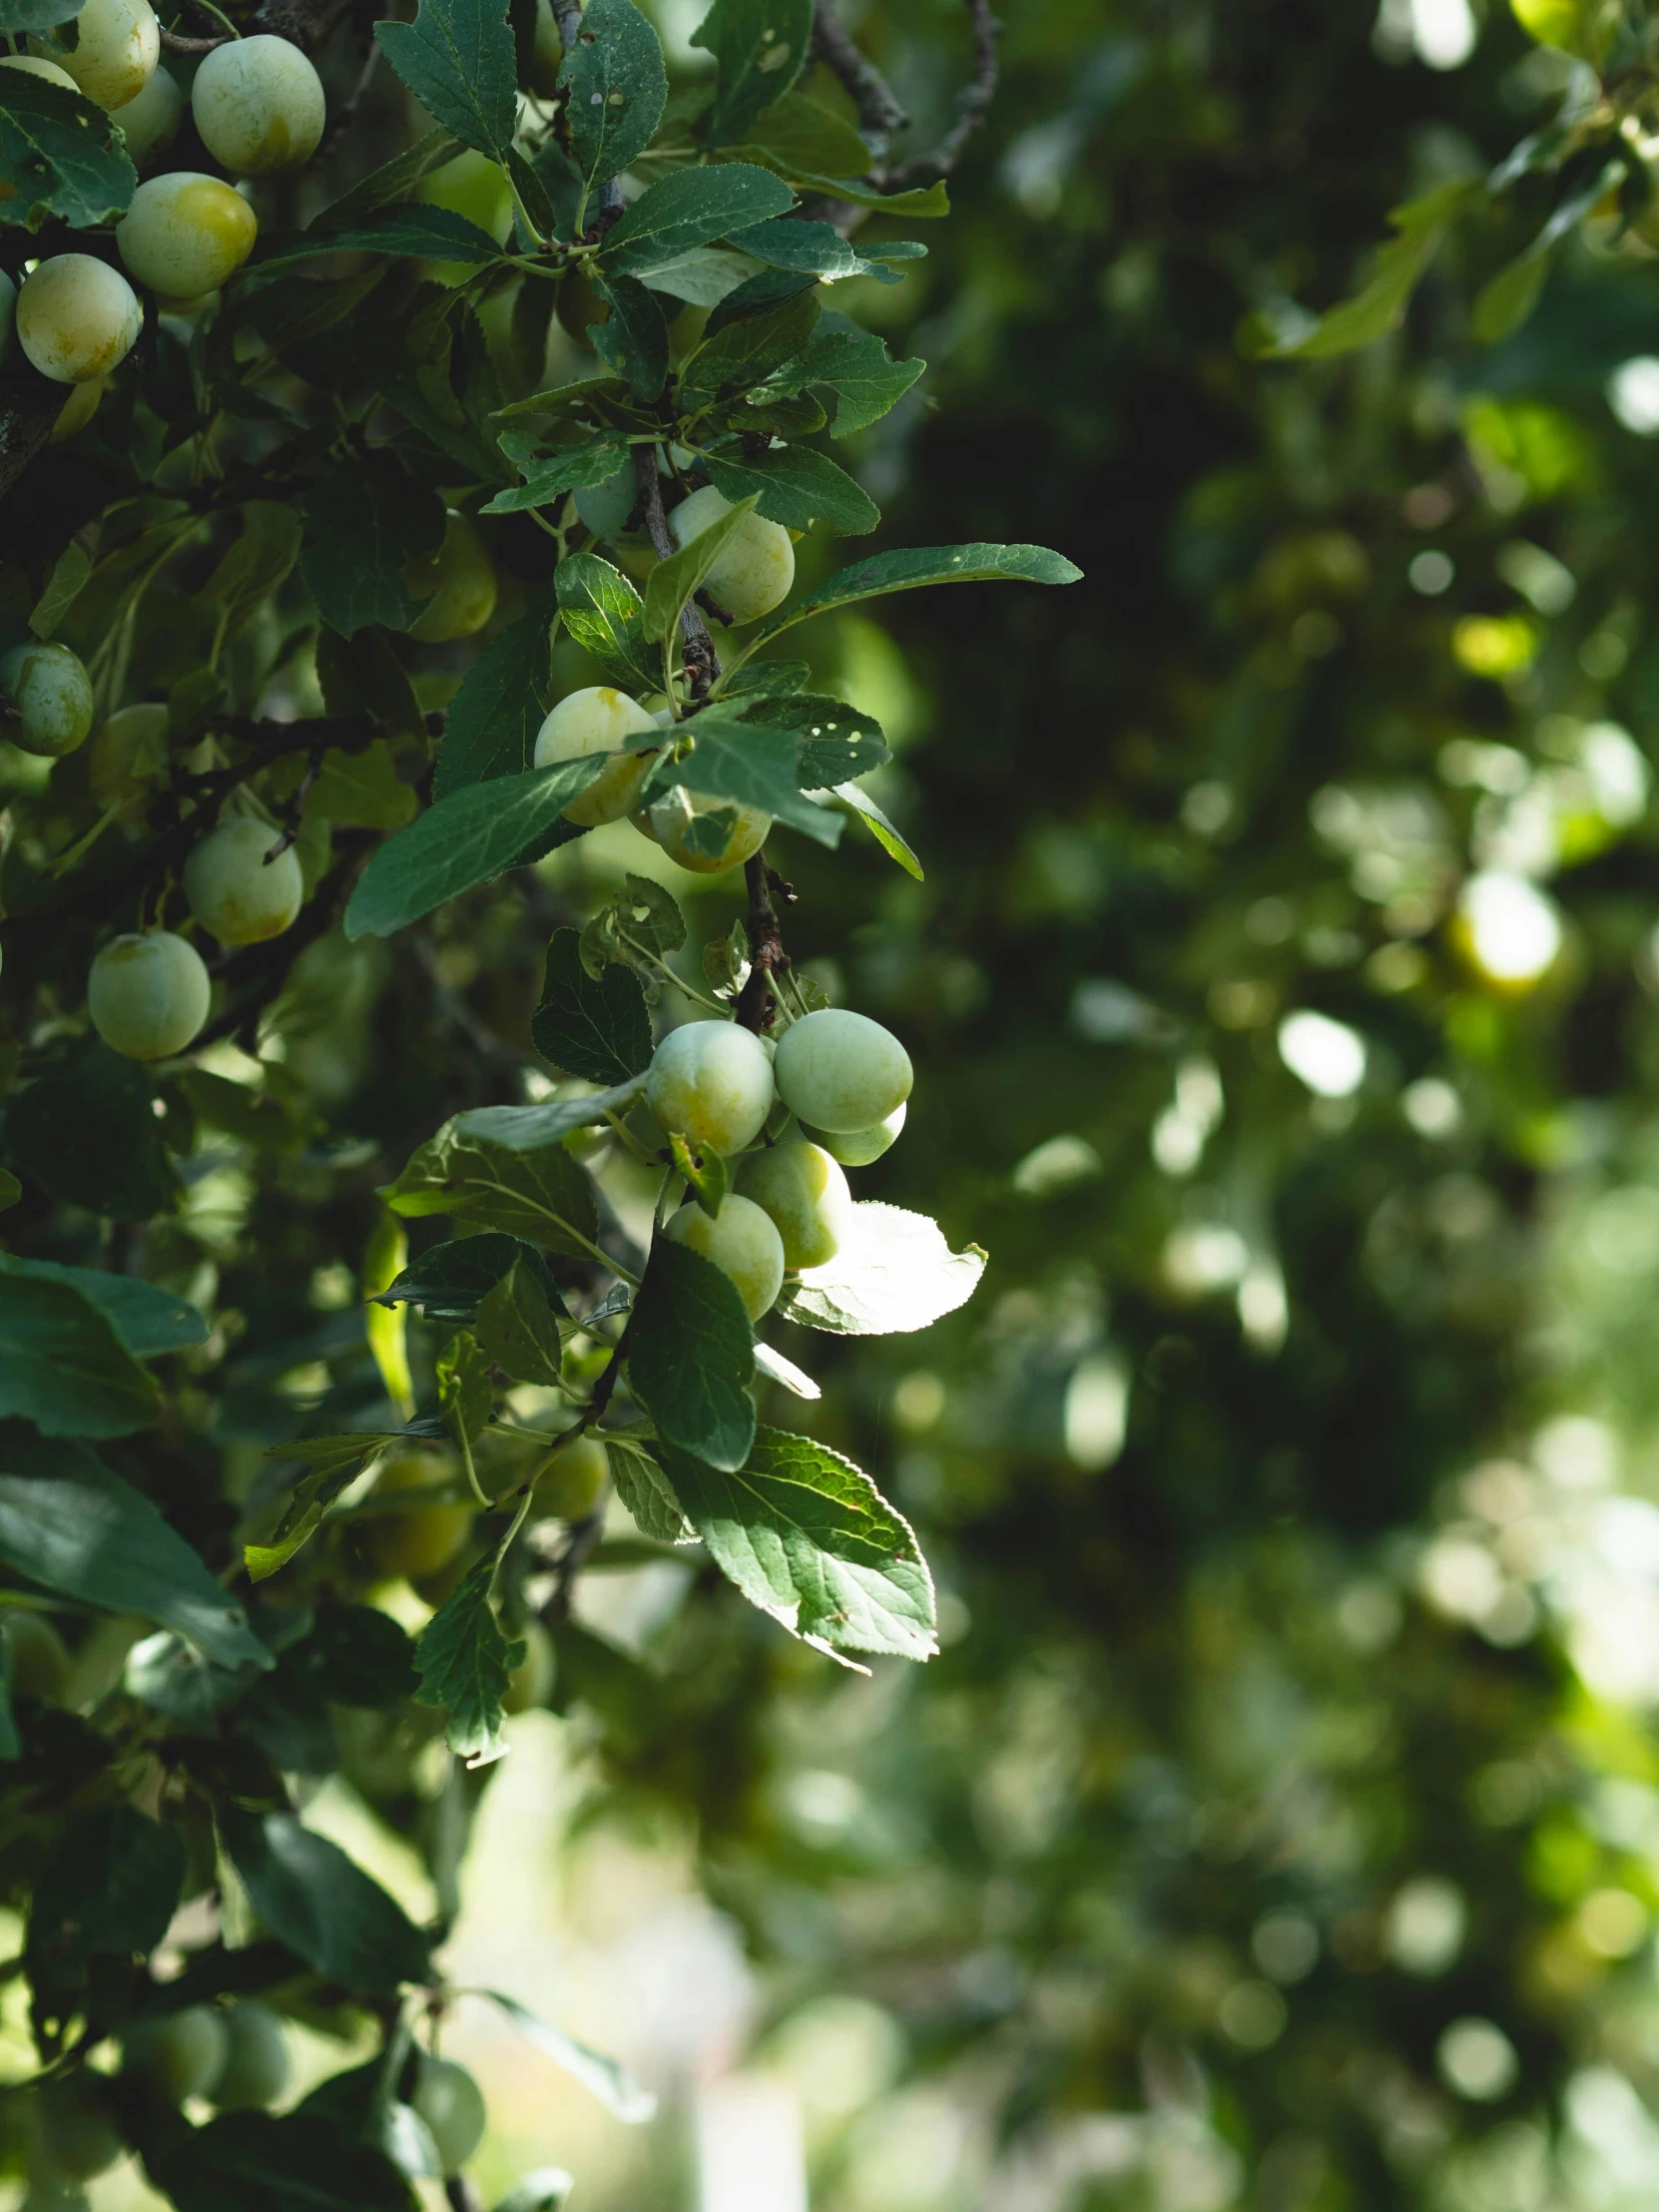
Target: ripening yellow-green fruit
741, 1241
129, 753
711, 1083
754, 570
425, 1539
53, 695
455, 585
257, 2065
235, 890
33, 66
117, 46
76, 317
743, 834
837, 1070
150, 120
258, 105
453, 2105
184, 232
77, 2136
573, 1482
39, 1656
180, 2053
531, 1682
803, 1194
148, 995
857, 1148
598, 718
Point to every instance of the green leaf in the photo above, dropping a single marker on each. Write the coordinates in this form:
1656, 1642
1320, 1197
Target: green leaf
544, 2190
11, 1740
745, 353
468, 838
863, 374
704, 277
63, 1362
529, 1128
69, 1525
467, 1397
617, 85
415, 233
517, 1323
457, 58
752, 766
333, 1464
299, 2162
465, 1663
602, 2077
799, 135
69, 572
88, 1134
1506, 301
836, 740
816, 248
807, 1538
392, 181
606, 616
761, 48
767, 289
11, 1190
644, 926
880, 829
111, 1885
643, 1489
148, 1320
672, 583
691, 1356
363, 676
17, 16
634, 340
705, 1174
1380, 303
924, 564
689, 208
490, 729
548, 478
794, 486
60, 156
924, 200
361, 790
254, 564
367, 519
596, 1027
315, 1899
450, 1280
894, 1274
541, 1195
1583, 27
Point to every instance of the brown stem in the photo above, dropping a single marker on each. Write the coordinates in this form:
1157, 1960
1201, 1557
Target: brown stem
972, 105
766, 956
345, 114
177, 43
701, 661
880, 113
307, 24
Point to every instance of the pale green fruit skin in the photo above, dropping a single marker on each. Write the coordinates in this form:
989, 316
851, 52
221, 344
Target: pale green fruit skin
258, 106
453, 2105
185, 233
148, 996
40, 1658
183, 2053
118, 44
803, 1194
840, 1071
34, 66
128, 753
76, 317
150, 120
258, 2066
460, 581
426, 1538
233, 890
598, 718
575, 1481
742, 1243
671, 818
857, 1148
711, 1083
531, 1682
755, 571
54, 696
78, 2138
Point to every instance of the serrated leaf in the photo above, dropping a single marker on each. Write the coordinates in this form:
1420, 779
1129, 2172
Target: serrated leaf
863, 376
836, 740
466, 839
596, 1027
806, 1536
880, 829
529, 1128
725, 961
541, 1195
633, 340
467, 1397
457, 58
752, 766
672, 583
367, 519
60, 156
704, 277
691, 1355
416, 232
764, 680
333, 1464
616, 85
745, 353
324, 1907
690, 208
465, 1664
919, 565
894, 1273
551, 476
392, 181
759, 48
606, 616
450, 1280
815, 249
490, 729
799, 135
517, 1325
794, 486
644, 1491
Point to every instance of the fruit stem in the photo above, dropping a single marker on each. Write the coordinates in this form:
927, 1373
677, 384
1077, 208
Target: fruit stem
766, 956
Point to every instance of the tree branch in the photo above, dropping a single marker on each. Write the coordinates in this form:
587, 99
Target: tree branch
766, 956
972, 105
880, 113
701, 658
307, 24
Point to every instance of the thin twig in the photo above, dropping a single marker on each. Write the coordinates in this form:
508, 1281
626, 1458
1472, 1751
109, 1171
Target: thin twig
701, 660
766, 956
345, 114
177, 43
972, 105
880, 113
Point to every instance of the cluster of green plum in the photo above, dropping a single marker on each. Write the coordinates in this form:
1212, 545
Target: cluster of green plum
257, 106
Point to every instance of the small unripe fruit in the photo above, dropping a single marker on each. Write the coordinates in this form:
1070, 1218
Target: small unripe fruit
755, 568
598, 720
425, 1539
148, 995
671, 821
837, 1070
52, 693
258, 105
150, 120
182, 2054
573, 1482
78, 2138
117, 46
184, 234
742, 1243
803, 1194
453, 2105
711, 1083
129, 753
531, 1682
40, 1658
235, 891
455, 585
857, 1148
76, 317
258, 2066
34, 66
